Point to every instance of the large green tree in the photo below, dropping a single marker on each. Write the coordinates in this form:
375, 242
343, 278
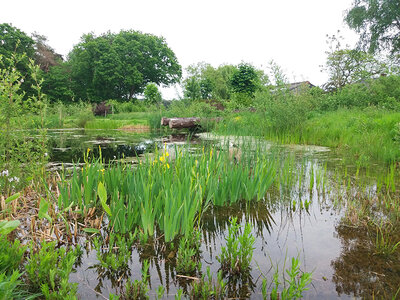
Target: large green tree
378, 22
119, 66
245, 80
16, 48
206, 82
346, 66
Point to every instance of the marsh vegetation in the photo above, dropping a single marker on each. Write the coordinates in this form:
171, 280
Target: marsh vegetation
292, 193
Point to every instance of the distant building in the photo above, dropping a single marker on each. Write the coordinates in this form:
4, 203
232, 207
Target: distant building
296, 87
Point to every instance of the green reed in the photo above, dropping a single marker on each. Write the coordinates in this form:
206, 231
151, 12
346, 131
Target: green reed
167, 194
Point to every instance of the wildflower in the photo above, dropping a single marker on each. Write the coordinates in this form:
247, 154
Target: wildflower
45, 154
4, 173
167, 165
162, 158
166, 154
16, 179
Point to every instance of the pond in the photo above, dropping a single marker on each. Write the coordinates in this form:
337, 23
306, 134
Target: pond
305, 220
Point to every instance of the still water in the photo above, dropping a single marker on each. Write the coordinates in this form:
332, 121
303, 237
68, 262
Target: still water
340, 257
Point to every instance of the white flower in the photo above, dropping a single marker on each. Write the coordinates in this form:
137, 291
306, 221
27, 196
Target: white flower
45, 154
16, 179
4, 173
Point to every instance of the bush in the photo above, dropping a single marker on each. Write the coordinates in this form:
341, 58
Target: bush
126, 107
101, 109
285, 110
83, 117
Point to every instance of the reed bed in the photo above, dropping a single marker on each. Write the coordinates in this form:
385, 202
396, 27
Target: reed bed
165, 193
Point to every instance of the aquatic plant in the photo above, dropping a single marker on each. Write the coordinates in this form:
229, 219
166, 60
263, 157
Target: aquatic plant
169, 194
235, 258
294, 286
187, 258
138, 289
384, 243
48, 271
117, 254
206, 288
11, 255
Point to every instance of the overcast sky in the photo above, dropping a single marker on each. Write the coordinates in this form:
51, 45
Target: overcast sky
291, 32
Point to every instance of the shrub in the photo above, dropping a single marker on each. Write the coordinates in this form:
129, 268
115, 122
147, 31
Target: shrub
101, 109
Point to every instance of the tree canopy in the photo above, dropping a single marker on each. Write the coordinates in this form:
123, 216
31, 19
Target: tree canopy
378, 22
16, 45
245, 80
119, 66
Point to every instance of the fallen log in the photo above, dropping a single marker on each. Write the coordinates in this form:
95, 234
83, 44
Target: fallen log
177, 123
183, 123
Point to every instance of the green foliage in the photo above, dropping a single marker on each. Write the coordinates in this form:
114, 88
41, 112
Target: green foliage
119, 251
206, 288
16, 43
169, 195
10, 286
377, 23
295, 285
84, 117
184, 108
119, 66
138, 290
48, 271
192, 89
57, 84
245, 80
285, 111
235, 258
127, 106
366, 135
11, 255
347, 66
207, 82
152, 94
188, 254
17, 149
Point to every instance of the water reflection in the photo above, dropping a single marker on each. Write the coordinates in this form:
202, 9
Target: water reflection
359, 271
341, 258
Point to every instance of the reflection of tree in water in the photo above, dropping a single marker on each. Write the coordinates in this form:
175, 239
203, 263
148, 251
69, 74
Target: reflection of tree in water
359, 271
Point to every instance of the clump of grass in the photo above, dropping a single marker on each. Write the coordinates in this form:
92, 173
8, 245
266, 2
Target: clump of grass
118, 253
138, 289
235, 258
205, 288
385, 244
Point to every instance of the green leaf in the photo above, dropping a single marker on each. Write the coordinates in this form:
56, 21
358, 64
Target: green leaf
101, 191
13, 197
7, 226
91, 230
43, 210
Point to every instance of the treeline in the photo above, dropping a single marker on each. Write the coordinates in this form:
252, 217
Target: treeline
122, 66
109, 66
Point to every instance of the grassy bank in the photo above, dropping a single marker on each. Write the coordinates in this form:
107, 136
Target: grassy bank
367, 135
